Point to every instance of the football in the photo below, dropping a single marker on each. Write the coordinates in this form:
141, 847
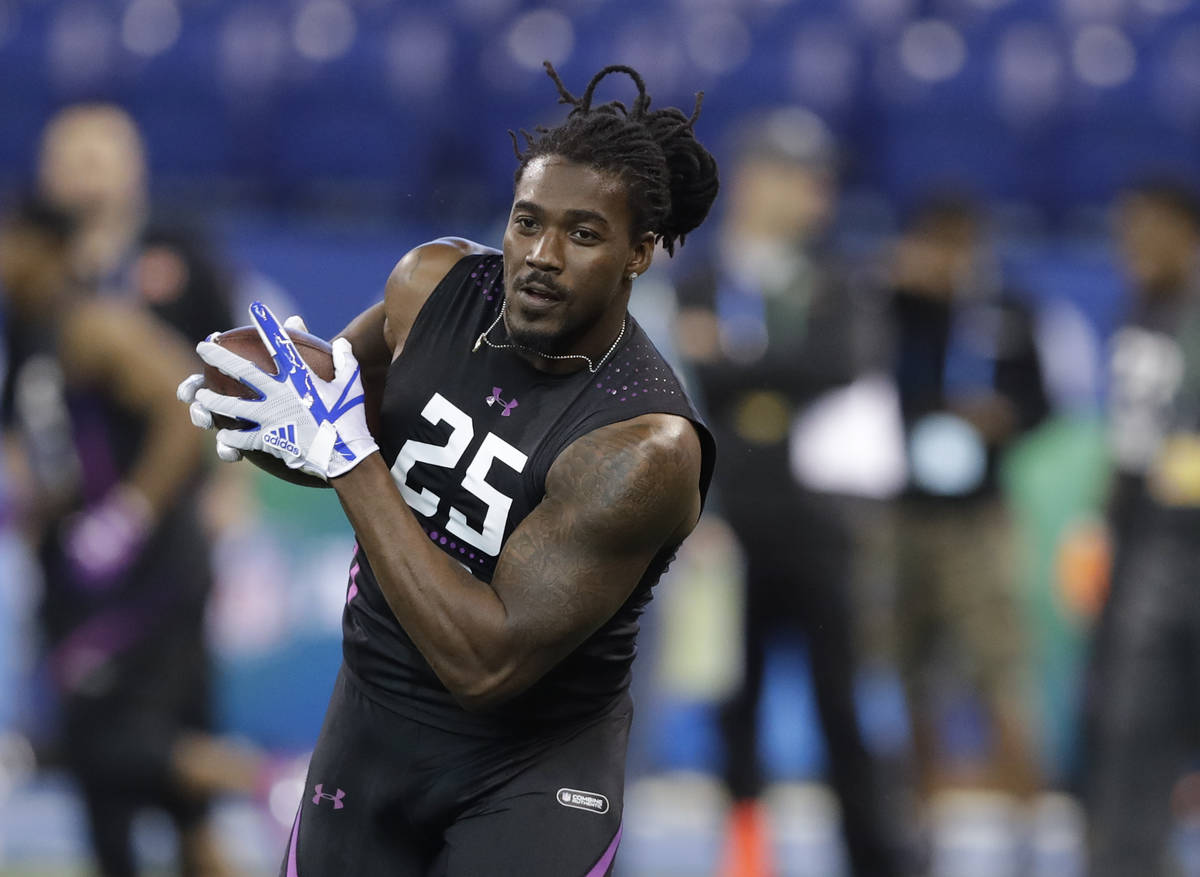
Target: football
244, 341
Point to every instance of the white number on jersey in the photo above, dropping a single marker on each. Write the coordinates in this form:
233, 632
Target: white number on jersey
425, 502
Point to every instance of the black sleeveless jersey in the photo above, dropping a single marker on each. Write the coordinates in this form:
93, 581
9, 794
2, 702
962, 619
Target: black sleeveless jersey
470, 437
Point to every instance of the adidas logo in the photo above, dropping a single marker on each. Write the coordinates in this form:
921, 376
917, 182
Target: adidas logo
283, 438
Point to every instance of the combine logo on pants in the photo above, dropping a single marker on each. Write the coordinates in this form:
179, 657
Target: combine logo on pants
592, 801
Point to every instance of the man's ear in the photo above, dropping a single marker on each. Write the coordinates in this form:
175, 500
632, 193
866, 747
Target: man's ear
643, 255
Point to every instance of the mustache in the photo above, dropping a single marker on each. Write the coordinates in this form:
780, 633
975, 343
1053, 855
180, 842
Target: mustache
544, 280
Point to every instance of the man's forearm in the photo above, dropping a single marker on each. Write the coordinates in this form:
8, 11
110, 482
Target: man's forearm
457, 621
171, 455
366, 336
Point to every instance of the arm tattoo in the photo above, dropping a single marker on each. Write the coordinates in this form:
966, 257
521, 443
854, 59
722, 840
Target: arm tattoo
614, 499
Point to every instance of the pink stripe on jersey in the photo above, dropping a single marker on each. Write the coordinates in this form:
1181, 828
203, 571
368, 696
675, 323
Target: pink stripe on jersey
352, 591
292, 869
601, 867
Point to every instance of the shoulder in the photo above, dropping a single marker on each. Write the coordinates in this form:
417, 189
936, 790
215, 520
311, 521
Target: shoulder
101, 321
425, 265
643, 473
98, 334
416, 276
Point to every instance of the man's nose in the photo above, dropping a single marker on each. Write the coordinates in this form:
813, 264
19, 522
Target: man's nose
546, 253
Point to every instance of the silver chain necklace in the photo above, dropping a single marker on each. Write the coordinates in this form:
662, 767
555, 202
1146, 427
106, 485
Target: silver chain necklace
483, 339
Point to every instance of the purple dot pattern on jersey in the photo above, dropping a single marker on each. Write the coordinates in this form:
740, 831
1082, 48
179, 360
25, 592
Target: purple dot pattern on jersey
437, 537
487, 277
634, 373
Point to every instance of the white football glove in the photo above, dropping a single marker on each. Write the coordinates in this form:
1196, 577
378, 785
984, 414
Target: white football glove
201, 416
316, 426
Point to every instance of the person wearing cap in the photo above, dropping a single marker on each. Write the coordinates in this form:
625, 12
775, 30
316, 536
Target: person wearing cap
771, 333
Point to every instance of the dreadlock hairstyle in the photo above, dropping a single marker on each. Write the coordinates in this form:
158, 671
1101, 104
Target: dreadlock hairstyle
670, 177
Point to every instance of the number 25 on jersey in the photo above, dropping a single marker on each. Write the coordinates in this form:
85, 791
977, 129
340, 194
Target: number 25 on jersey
462, 432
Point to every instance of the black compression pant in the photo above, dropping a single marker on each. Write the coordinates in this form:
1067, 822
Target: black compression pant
388, 795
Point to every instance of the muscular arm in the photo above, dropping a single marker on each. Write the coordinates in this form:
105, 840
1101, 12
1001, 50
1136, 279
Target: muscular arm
138, 361
370, 346
614, 499
377, 335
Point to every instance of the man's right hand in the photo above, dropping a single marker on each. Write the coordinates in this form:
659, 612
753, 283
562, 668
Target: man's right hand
201, 416
324, 420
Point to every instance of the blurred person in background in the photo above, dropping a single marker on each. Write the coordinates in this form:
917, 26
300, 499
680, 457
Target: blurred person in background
1141, 723
769, 328
969, 376
92, 166
103, 477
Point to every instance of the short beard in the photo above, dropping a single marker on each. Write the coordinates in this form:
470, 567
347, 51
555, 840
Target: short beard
533, 339
541, 343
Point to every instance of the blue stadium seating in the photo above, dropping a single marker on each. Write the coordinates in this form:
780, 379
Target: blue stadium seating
342, 123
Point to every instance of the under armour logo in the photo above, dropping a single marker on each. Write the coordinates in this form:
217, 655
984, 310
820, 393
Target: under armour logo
321, 794
495, 397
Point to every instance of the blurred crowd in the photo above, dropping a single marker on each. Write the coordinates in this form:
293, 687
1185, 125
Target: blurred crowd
873, 398
866, 409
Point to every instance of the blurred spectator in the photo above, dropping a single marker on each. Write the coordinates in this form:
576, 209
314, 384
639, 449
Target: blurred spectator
70, 433
767, 329
92, 166
104, 477
970, 382
1141, 722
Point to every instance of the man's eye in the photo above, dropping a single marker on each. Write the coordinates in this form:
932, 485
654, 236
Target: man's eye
586, 235
524, 222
